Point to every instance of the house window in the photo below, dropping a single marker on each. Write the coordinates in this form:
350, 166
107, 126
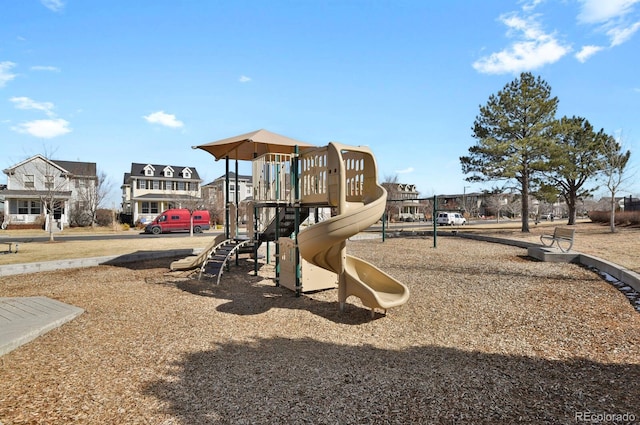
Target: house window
48, 182
149, 207
180, 185
232, 187
156, 184
28, 181
23, 207
35, 207
142, 184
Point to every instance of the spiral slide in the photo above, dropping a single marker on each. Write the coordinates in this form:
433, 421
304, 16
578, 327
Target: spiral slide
324, 243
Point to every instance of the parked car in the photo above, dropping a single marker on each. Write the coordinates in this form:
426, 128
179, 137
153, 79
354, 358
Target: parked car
451, 219
178, 220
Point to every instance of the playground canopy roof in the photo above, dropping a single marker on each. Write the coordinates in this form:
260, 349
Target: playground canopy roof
251, 145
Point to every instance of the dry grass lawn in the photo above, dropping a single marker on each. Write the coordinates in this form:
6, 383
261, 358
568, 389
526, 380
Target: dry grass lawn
60, 249
488, 336
595, 239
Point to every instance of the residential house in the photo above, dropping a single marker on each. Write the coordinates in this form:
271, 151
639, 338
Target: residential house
213, 194
38, 186
403, 202
149, 189
473, 204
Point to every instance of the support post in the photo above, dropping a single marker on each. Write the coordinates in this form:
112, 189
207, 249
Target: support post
296, 187
255, 244
226, 199
277, 238
237, 202
435, 218
384, 222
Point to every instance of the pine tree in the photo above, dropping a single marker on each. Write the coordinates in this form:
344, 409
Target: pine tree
513, 132
576, 158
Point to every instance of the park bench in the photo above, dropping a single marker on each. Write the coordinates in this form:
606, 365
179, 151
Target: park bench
562, 237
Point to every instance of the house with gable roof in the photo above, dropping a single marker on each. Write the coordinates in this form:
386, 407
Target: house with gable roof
149, 189
39, 186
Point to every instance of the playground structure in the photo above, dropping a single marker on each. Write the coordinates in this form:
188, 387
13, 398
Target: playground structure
292, 192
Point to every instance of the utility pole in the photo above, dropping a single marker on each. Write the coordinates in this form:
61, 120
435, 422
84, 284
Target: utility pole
464, 197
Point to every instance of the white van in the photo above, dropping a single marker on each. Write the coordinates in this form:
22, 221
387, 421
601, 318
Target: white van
451, 219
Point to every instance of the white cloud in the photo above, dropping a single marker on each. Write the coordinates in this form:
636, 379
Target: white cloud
405, 171
27, 103
613, 17
244, 79
44, 129
533, 49
5, 72
599, 11
586, 52
528, 6
619, 35
55, 5
45, 68
162, 118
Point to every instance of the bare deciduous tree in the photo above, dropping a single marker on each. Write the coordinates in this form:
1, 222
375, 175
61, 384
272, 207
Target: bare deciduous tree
192, 204
91, 195
49, 185
615, 172
391, 185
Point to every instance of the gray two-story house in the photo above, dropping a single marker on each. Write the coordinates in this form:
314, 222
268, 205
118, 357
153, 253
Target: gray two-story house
39, 187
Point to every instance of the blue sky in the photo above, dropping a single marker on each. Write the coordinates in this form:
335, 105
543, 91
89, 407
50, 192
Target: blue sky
116, 82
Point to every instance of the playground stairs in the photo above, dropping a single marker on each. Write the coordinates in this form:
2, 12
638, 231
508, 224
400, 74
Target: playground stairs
219, 258
286, 225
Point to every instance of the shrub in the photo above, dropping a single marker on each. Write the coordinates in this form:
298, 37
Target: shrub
104, 217
622, 218
79, 218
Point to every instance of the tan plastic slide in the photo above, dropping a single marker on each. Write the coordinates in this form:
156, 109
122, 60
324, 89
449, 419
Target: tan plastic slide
324, 243
194, 261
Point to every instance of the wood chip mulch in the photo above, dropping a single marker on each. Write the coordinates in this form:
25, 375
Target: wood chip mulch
488, 336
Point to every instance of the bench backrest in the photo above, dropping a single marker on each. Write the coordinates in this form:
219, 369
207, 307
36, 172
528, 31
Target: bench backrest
563, 232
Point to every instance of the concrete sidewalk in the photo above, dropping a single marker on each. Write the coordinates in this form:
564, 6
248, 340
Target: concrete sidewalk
72, 263
23, 319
